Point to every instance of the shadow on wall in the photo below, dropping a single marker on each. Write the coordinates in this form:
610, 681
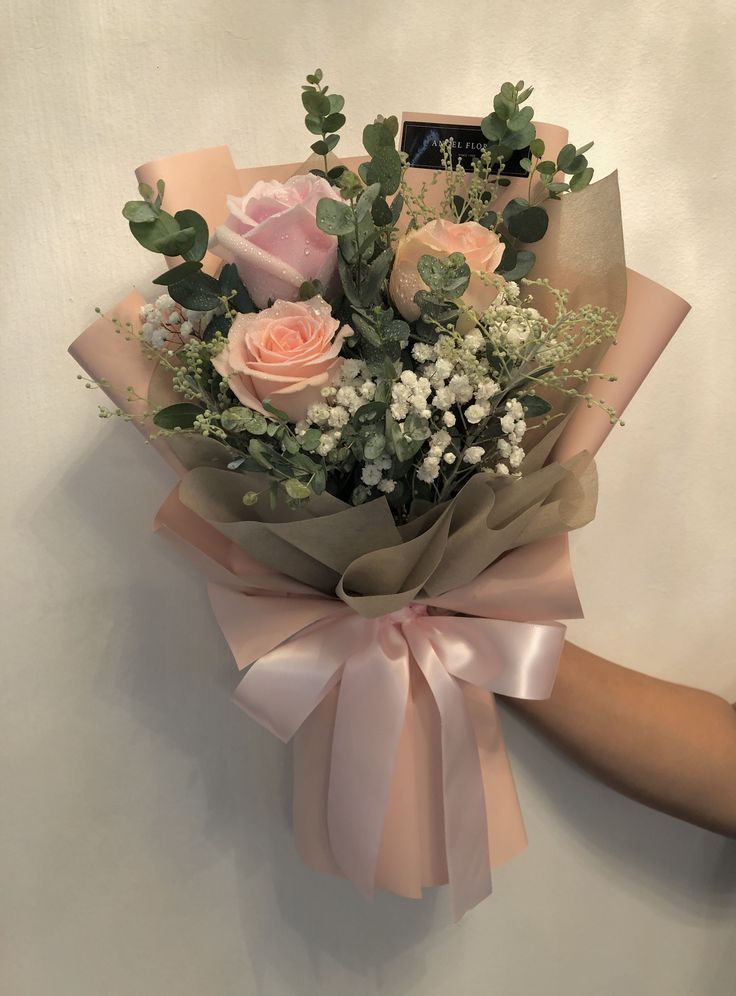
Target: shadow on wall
166, 662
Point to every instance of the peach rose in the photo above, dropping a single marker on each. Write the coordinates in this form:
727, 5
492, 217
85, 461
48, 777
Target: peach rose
285, 354
272, 237
482, 250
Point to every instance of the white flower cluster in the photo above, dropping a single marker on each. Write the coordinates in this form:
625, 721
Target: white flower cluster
511, 326
439, 449
351, 389
513, 427
372, 475
452, 388
165, 322
454, 371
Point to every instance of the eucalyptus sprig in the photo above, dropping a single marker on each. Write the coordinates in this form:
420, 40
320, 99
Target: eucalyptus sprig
364, 221
509, 129
324, 118
186, 234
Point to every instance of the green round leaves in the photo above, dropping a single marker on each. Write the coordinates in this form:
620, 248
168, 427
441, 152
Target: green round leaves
238, 419
447, 278
334, 217
528, 224
179, 416
385, 168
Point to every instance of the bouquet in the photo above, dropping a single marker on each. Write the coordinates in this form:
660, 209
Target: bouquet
382, 382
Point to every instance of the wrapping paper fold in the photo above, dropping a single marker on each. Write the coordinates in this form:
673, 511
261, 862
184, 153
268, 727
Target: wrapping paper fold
344, 623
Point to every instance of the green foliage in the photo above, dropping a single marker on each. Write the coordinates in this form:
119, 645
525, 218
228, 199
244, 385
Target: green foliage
334, 217
183, 234
324, 117
233, 288
404, 440
238, 420
192, 220
381, 335
177, 273
385, 169
533, 406
447, 278
525, 221
310, 289
509, 129
197, 292
178, 416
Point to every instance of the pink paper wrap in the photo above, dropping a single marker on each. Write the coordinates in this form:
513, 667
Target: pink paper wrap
401, 779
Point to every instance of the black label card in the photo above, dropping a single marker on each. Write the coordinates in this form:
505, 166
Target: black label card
421, 141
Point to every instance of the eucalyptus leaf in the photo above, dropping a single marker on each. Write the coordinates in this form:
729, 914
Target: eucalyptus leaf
581, 180
178, 273
537, 148
259, 453
315, 103
276, 412
296, 490
334, 217
377, 273
374, 446
381, 213
377, 136
310, 440
175, 243
192, 219
333, 122
197, 292
493, 127
139, 211
520, 139
240, 419
178, 416
523, 262
313, 123
533, 406
566, 156
385, 168
230, 281
148, 233
521, 119
529, 225
578, 164
446, 277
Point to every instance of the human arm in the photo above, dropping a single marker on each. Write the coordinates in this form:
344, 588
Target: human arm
666, 745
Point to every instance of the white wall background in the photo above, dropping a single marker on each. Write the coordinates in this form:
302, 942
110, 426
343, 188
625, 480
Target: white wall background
144, 842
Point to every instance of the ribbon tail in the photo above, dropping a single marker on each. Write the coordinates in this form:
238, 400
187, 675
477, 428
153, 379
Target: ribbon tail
466, 824
371, 709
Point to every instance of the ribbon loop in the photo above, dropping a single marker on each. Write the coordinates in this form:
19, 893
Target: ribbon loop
298, 648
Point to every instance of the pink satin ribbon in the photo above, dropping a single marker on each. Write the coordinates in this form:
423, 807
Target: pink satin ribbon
298, 649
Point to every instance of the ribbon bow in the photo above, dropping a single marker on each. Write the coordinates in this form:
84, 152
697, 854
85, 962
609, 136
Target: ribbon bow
298, 649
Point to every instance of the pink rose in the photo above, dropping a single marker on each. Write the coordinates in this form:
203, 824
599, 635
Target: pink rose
272, 237
482, 250
285, 354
